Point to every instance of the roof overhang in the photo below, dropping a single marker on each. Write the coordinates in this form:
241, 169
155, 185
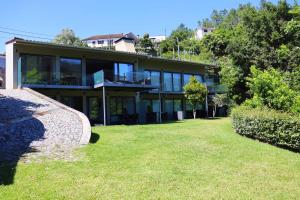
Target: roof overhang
18, 41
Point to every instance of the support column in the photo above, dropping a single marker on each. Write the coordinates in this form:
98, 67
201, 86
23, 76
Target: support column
84, 104
83, 65
206, 102
57, 69
160, 110
138, 105
104, 106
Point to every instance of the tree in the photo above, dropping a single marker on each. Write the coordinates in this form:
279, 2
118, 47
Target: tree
68, 37
195, 93
220, 100
269, 88
146, 44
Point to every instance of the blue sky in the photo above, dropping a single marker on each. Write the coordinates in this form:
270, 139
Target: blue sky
90, 17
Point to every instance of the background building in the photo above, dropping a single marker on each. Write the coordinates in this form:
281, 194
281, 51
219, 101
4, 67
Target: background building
202, 31
107, 40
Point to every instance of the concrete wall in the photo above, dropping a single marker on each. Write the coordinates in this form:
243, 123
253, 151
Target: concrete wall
11, 72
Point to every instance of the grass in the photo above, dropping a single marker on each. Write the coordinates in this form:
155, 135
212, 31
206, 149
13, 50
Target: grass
194, 159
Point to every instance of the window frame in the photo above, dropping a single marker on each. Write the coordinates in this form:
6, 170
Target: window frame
81, 66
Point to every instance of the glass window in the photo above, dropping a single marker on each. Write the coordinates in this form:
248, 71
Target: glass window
176, 82
155, 105
169, 109
94, 108
186, 78
123, 72
75, 102
70, 71
152, 78
177, 105
167, 81
189, 107
129, 106
155, 78
122, 105
199, 78
37, 69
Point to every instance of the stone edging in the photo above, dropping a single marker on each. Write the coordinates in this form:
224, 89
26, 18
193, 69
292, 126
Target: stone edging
86, 126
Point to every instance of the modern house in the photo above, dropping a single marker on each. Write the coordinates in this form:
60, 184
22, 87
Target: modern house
202, 31
110, 87
108, 40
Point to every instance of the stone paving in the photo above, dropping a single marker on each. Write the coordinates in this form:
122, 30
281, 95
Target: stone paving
31, 128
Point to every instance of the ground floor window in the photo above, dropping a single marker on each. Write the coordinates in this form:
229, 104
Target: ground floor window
121, 108
94, 109
150, 110
75, 102
171, 106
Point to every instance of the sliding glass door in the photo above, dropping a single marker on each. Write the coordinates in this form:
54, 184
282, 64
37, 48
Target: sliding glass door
123, 72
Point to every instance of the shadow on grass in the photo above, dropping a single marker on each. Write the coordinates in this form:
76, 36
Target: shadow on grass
18, 129
94, 138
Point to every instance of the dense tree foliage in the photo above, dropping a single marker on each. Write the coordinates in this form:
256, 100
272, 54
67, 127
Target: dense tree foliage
145, 45
267, 37
269, 89
68, 37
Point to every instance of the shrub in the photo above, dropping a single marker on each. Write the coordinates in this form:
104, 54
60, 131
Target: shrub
270, 89
274, 127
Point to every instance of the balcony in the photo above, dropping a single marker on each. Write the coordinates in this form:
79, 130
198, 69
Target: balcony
129, 79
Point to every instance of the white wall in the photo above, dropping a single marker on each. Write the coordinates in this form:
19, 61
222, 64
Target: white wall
11, 71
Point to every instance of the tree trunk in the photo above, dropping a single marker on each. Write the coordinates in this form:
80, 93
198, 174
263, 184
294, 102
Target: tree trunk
194, 113
214, 111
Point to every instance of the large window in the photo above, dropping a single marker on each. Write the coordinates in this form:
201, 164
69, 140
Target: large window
186, 78
171, 106
123, 72
37, 69
172, 82
94, 105
168, 82
176, 82
70, 71
75, 102
122, 105
152, 78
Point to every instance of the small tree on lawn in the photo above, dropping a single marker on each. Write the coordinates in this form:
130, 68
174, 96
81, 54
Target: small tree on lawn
195, 93
220, 100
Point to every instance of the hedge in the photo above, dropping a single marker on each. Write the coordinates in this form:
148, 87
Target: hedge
280, 129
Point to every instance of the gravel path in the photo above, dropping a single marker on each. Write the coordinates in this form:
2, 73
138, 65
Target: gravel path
31, 127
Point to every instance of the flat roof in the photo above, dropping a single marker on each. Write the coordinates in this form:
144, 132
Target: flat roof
94, 50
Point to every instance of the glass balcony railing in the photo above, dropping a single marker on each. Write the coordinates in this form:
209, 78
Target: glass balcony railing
137, 78
98, 77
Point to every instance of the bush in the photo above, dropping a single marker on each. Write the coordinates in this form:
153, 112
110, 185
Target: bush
280, 129
269, 88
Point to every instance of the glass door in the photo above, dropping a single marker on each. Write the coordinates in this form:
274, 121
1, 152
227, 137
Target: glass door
95, 110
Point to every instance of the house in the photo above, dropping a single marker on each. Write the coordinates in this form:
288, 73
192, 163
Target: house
202, 31
107, 40
157, 39
125, 44
2, 70
110, 87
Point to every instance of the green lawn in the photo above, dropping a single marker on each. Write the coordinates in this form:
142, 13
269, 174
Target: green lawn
195, 159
